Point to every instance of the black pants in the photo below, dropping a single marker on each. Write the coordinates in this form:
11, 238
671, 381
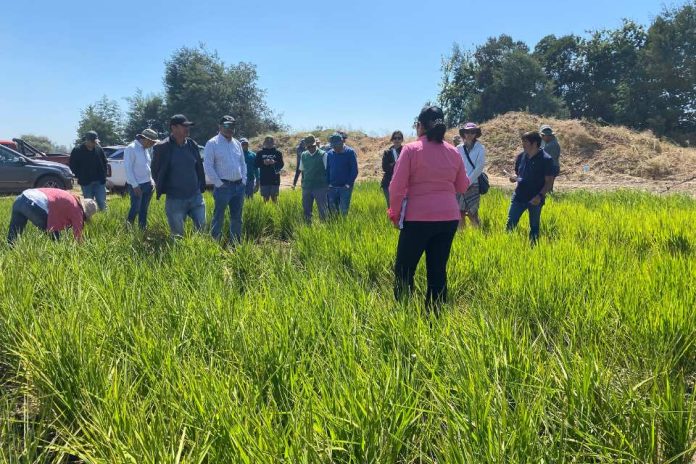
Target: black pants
24, 210
433, 238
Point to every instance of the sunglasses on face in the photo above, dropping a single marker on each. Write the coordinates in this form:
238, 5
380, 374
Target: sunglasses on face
396, 139
228, 125
472, 132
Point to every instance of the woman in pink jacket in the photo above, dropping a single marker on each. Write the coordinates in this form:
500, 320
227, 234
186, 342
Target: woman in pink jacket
424, 206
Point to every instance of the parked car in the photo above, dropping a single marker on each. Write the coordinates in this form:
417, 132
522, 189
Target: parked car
17, 173
25, 148
116, 170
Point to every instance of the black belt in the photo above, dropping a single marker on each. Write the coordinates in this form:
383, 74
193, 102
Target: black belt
238, 181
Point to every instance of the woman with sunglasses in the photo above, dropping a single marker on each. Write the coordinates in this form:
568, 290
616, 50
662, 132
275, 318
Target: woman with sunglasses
426, 177
389, 158
474, 157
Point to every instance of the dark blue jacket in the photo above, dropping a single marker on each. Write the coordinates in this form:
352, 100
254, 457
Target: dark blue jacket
161, 160
341, 168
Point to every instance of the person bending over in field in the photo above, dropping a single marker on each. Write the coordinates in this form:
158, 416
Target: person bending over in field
426, 178
534, 174
51, 210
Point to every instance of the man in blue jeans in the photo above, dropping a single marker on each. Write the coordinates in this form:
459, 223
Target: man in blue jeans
225, 164
341, 172
177, 169
534, 174
136, 160
88, 163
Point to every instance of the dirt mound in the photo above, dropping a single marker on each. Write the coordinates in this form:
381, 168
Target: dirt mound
592, 154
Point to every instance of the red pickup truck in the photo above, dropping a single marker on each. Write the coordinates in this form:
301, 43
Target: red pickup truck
30, 151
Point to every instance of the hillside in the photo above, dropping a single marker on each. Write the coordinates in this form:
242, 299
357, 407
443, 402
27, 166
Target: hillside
594, 156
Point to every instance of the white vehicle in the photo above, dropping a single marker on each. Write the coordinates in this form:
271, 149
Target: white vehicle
116, 170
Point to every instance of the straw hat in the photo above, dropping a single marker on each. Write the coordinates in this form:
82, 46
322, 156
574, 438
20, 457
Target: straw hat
89, 207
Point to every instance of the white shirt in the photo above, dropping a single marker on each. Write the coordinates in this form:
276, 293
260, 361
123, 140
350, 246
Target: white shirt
224, 159
38, 197
136, 160
478, 157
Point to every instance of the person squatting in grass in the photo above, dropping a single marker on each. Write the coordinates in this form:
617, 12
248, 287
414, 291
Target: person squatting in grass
51, 210
178, 172
88, 163
389, 158
314, 183
426, 178
270, 162
341, 172
474, 157
534, 174
136, 160
253, 173
225, 164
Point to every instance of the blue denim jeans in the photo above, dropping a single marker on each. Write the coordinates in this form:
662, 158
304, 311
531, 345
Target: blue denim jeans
228, 196
24, 210
97, 192
309, 196
339, 199
178, 208
517, 208
249, 189
140, 204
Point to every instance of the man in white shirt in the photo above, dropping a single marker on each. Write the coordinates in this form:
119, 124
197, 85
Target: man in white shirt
225, 165
136, 159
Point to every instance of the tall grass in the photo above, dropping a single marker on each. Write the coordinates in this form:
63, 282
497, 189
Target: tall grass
290, 347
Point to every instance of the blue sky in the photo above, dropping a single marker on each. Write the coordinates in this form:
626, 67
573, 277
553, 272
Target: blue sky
367, 65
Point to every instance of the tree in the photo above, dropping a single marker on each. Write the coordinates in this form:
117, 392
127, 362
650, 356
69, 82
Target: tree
200, 85
145, 111
499, 76
669, 58
104, 117
43, 143
562, 60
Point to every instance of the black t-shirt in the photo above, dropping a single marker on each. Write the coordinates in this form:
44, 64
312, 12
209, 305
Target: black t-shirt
270, 174
531, 173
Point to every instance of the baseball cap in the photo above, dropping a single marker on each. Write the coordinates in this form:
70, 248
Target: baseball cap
227, 119
243, 140
546, 130
309, 141
180, 120
92, 135
335, 139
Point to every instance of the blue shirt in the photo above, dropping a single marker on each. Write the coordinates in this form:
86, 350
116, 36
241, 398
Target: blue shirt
182, 179
341, 168
253, 172
531, 175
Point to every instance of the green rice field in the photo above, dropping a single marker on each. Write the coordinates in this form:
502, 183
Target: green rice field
133, 348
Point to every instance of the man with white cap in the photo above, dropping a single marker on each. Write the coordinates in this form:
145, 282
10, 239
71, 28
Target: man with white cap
51, 210
136, 160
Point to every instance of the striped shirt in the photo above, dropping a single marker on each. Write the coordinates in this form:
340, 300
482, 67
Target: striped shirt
224, 160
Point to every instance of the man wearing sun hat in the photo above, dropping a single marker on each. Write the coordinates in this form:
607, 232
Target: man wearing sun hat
51, 210
177, 169
88, 163
136, 160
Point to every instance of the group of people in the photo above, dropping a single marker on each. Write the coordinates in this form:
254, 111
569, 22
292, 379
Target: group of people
431, 187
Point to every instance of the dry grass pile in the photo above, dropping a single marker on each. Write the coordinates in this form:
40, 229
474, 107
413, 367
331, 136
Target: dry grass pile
590, 152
